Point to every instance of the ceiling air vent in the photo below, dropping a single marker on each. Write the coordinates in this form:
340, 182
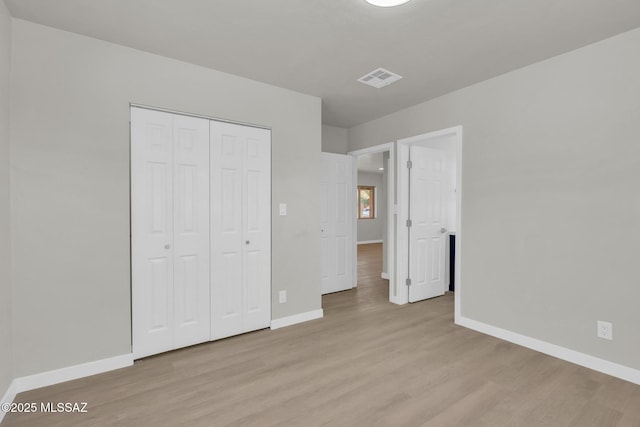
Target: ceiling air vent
379, 78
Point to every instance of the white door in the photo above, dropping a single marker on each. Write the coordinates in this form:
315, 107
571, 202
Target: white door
240, 229
191, 230
170, 231
337, 210
427, 213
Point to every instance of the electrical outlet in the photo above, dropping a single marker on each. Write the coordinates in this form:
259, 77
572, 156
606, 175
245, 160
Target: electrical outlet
605, 330
282, 296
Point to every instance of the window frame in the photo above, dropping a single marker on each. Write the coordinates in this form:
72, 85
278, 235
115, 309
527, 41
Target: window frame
372, 201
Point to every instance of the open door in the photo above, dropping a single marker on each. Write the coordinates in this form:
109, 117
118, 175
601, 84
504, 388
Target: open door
337, 210
427, 219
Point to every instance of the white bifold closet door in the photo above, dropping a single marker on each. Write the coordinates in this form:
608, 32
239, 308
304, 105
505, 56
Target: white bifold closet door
240, 229
170, 231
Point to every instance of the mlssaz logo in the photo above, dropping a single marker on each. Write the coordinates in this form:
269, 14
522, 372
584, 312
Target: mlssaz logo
80, 407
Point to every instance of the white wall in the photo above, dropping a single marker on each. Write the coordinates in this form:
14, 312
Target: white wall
334, 139
71, 98
550, 195
6, 343
373, 229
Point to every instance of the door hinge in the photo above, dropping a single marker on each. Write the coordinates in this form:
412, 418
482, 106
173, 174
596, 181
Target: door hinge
409, 223
408, 282
409, 164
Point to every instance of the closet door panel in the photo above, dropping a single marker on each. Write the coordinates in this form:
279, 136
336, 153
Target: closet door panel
152, 231
226, 231
257, 229
240, 229
191, 230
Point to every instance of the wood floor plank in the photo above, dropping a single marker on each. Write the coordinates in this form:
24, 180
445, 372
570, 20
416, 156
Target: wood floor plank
366, 363
597, 415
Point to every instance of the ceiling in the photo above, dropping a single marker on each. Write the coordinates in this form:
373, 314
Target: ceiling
370, 163
321, 47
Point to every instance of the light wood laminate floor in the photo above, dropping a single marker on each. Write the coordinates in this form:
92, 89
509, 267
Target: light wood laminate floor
366, 363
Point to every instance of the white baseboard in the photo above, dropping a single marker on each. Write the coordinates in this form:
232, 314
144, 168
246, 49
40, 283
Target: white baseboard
606, 367
57, 376
368, 242
385, 275
296, 318
8, 397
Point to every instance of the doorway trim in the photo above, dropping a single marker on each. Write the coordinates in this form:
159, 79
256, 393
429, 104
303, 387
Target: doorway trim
402, 212
391, 215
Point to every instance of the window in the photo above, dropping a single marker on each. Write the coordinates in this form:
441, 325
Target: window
366, 202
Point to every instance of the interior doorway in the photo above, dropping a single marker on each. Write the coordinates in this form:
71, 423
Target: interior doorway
429, 202
374, 222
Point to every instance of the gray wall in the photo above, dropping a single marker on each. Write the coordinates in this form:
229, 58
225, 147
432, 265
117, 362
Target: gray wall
334, 139
373, 229
550, 195
6, 346
71, 186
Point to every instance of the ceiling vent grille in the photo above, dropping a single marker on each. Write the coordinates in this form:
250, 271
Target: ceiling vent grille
379, 78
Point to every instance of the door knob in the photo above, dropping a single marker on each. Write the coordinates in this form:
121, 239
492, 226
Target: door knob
443, 230
247, 242
167, 246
